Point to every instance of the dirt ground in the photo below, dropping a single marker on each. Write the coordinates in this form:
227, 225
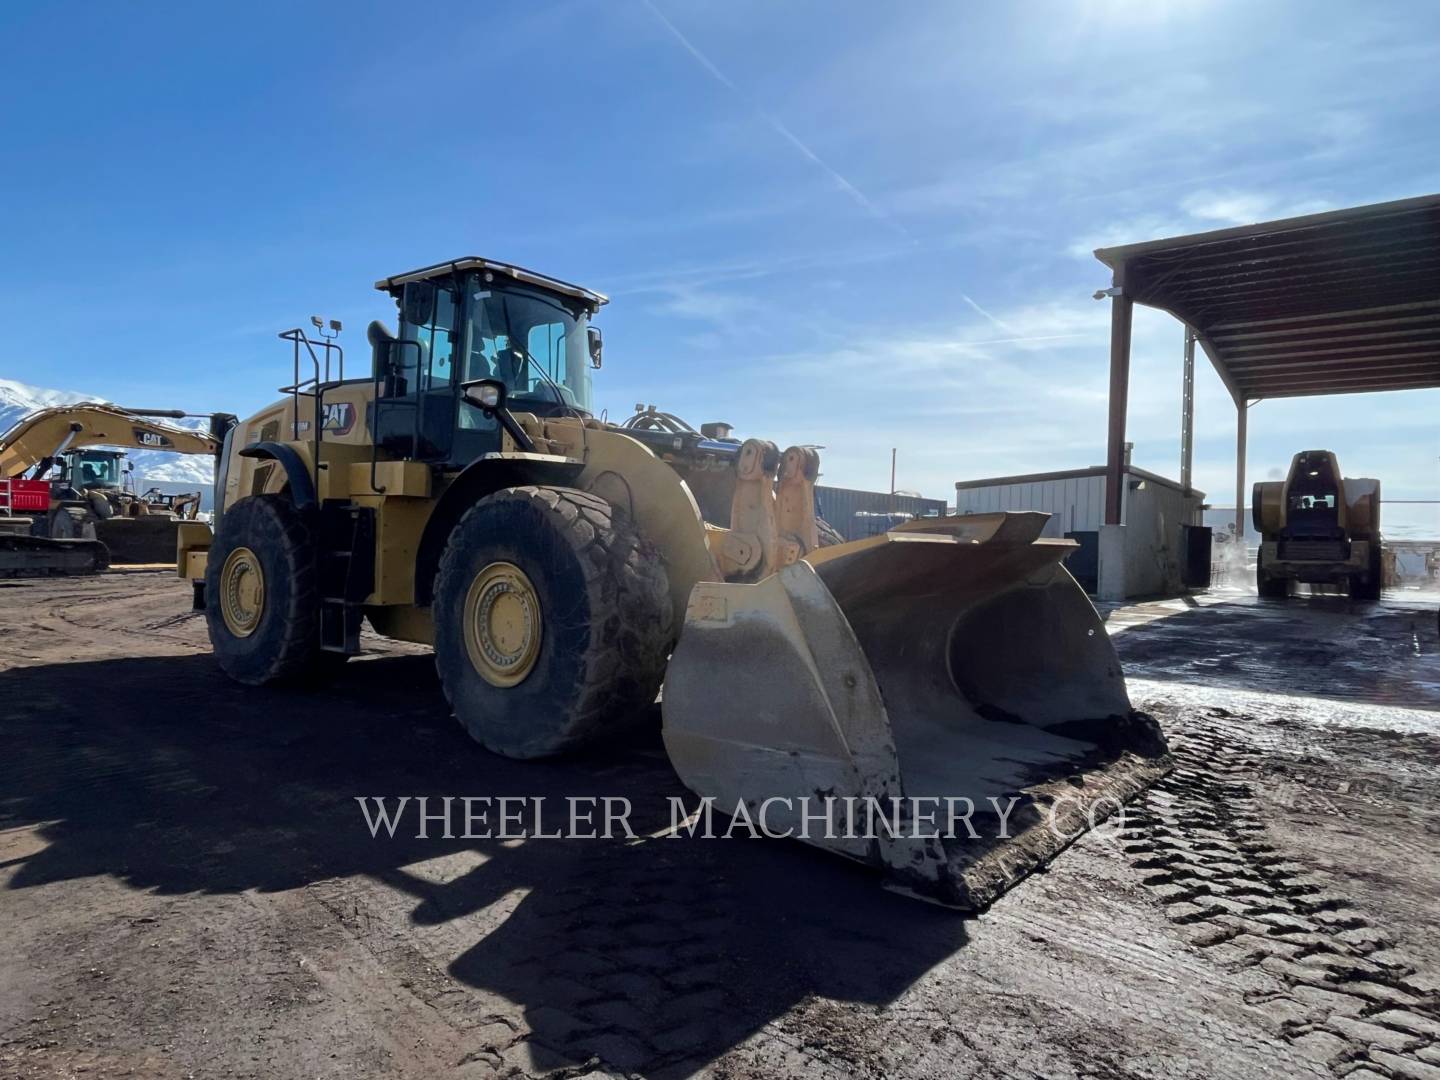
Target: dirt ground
188, 888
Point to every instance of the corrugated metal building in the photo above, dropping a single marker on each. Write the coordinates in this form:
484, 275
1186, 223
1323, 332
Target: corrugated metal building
1159, 518
857, 514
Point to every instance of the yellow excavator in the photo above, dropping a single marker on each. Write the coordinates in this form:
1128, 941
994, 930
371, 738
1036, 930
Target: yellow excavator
64, 504
940, 701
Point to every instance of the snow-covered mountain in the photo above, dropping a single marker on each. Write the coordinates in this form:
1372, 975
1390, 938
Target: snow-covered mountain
18, 400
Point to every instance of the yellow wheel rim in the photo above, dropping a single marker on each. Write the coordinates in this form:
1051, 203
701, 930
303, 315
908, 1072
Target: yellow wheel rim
502, 624
242, 592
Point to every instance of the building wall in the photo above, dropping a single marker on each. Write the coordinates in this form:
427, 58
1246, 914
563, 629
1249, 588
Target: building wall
1075, 504
839, 506
1154, 514
1154, 550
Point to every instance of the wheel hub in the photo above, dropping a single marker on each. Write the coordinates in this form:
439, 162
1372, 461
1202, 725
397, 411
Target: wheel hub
242, 592
502, 624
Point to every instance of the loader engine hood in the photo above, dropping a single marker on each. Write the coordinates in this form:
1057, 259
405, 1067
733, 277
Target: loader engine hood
946, 669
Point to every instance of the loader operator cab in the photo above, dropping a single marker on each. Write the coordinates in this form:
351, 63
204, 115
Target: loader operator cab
477, 319
1313, 498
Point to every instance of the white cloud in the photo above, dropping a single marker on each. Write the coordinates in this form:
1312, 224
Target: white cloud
702, 304
1199, 211
1247, 207
1129, 231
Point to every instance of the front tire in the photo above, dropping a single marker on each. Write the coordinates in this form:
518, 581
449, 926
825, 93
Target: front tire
262, 604
70, 523
553, 621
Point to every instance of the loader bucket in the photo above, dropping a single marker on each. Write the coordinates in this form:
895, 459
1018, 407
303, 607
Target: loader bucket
868, 697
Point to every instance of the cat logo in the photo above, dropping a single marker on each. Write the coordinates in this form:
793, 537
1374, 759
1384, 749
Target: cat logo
152, 440
339, 418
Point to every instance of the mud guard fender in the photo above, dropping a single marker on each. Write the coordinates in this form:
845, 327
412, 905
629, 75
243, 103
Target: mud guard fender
477, 480
302, 486
629, 476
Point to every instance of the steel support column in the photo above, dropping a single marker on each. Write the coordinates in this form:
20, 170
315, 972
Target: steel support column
1242, 413
1187, 413
1121, 312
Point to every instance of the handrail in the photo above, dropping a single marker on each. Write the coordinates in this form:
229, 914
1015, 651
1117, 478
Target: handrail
379, 489
298, 337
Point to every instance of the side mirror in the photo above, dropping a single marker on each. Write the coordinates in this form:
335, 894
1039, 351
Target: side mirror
596, 343
487, 395
418, 307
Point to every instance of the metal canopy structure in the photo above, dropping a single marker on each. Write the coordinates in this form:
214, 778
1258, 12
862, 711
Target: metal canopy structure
1336, 303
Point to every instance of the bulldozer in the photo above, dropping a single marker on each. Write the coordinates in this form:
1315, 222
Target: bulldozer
65, 506
463, 494
1319, 528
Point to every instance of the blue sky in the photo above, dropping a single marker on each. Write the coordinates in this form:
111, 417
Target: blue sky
852, 224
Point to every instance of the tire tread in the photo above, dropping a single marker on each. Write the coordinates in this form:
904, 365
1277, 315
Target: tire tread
632, 617
298, 654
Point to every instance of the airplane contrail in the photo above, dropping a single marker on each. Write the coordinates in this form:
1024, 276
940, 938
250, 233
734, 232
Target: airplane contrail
986, 314
779, 128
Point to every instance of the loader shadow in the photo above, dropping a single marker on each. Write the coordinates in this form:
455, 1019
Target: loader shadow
655, 955
1314, 646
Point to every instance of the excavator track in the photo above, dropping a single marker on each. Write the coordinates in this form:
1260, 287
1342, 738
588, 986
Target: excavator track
39, 556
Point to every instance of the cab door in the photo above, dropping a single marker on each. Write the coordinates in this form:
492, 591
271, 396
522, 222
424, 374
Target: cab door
415, 417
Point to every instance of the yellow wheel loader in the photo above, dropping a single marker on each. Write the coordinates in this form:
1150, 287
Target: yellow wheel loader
1318, 527
81, 519
941, 702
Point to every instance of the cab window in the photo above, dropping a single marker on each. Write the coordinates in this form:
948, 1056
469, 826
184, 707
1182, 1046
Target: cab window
433, 367
532, 342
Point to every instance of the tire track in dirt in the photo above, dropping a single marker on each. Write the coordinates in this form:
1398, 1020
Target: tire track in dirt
1347, 995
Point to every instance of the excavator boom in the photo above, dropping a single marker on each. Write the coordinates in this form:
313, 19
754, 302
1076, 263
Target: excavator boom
42, 436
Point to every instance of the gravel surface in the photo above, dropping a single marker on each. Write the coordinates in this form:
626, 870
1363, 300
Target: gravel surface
188, 888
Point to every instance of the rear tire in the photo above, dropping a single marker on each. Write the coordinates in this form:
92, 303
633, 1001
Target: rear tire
553, 621
262, 603
1270, 588
1369, 591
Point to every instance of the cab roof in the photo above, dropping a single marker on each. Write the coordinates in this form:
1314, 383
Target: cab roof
394, 284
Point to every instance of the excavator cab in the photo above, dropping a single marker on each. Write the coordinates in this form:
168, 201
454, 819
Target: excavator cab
93, 470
